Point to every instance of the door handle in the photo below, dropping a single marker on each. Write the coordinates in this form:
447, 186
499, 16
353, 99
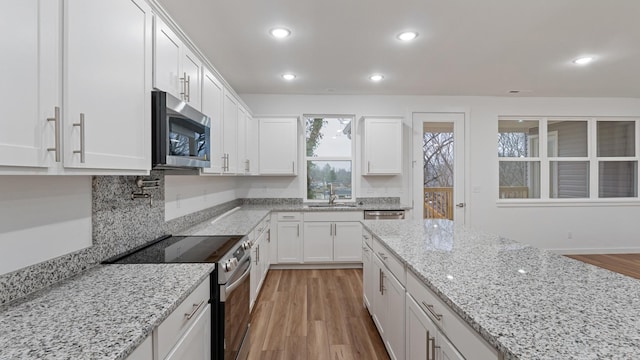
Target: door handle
460, 205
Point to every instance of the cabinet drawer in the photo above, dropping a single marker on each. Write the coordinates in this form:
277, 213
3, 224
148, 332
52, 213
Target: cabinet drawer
289, 216
465, 339
334, 216
367, 238
173, 327
262, 226
396, 267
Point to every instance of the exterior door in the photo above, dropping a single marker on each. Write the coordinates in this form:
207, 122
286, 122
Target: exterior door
438, 166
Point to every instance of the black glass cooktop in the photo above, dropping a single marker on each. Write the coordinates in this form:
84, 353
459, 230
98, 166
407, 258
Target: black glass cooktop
179, 249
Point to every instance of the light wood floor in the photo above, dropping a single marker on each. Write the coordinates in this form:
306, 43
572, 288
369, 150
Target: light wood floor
627, 264
313, 314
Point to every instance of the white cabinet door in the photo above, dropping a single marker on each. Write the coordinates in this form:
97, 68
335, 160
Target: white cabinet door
212, 93
382, 146
419, 329
265, 255
195, 344
379, 300
167, 59
278, 146
367, 276
230, 126
318, 241
192, 70
447, 350
252, 145
347, 242
106, 84
144, 351
289, 242
394, 326
242, 164
30, 85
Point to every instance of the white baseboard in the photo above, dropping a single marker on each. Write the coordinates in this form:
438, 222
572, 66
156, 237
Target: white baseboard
593, 251
315, 266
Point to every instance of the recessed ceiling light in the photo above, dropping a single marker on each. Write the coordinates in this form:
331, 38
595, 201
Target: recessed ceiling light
280, 33
376, 77
583, 60
407, 35
288, 76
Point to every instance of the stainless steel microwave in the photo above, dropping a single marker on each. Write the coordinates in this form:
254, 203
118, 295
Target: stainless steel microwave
181, 135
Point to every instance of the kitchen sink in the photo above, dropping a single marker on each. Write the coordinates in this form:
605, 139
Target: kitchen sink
337, 205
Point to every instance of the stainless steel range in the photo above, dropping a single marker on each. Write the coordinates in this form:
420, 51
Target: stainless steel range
230, 283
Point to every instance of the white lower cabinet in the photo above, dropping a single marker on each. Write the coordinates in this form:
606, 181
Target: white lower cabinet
144, 351
388, 309
289, 237
195, 344
260, 253
186, 332
346, 242
367, 275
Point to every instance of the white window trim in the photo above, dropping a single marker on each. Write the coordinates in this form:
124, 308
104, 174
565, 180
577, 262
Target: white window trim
331, 158
593, 159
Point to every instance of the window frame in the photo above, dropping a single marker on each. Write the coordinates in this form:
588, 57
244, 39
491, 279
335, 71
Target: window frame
351, 158
592, 159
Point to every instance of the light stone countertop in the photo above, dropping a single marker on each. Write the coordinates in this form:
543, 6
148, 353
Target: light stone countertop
103, 313
526, 302
241, 220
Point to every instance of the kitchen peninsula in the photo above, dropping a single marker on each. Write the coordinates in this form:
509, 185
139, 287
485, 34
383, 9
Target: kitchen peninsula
525, 302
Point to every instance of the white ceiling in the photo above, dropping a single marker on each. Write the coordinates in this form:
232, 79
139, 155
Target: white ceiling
465, 47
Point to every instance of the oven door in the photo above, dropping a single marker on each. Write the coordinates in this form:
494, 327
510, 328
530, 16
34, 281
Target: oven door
235, 302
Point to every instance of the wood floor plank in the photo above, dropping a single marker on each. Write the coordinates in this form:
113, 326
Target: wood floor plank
313, 314
343, 352
626, 264
317, 341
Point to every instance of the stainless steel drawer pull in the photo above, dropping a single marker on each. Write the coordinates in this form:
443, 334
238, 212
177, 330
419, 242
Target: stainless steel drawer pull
82, 148
382, 255
430, 309
195, 310
56, 123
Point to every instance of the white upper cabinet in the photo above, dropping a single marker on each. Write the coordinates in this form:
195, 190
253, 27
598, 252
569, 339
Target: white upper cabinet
30, 83
103, 125
176, 69
382, 140
278, 153
212, 93
106, 84
242, 141
253, 129
230, 126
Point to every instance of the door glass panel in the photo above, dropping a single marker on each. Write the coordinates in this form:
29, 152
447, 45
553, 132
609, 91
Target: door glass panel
438, 168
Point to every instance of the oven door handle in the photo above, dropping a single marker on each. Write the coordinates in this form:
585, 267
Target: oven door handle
230, 288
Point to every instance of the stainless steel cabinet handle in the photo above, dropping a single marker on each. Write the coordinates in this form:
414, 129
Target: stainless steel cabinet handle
293, 167
380, 280
258, 255
330, 229
184, 86
460, 205
368, 166
56, 123
430, 309
382, 255
188, 88
335, 229
81, 151
382, 276
298, 230
432, 340
247, 167
195, 310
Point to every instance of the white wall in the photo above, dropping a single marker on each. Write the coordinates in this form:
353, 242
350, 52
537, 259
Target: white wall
42, 217
592, 228
185, 194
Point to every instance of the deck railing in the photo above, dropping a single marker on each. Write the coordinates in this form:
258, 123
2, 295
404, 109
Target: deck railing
514, 192
438, 203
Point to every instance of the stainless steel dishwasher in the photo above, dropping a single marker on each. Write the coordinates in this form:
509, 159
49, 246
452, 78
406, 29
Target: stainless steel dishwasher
384, 214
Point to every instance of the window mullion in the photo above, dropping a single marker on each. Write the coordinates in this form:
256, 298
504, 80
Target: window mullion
593, 158
544, 161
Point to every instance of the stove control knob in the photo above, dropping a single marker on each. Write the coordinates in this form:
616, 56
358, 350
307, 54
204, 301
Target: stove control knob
246, 245
233, 263
225, 266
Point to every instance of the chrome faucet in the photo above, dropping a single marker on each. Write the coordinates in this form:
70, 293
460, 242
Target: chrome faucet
332, 195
